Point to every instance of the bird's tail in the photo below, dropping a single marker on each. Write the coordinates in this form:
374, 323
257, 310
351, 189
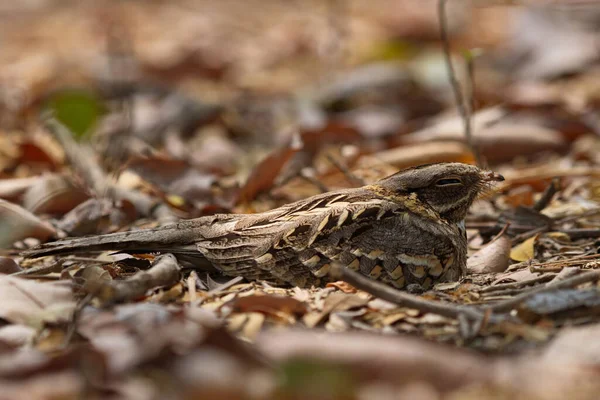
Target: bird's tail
172, 238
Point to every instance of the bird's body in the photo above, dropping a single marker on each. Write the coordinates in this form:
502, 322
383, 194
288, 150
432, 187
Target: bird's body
404, 229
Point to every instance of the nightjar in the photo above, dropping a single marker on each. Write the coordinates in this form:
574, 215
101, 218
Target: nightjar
405, 229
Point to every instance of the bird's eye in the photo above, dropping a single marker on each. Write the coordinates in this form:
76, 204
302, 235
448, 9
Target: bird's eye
448, 182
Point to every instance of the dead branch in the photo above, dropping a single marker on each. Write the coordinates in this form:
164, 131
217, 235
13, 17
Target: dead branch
510, 304
164, 272
72, 328
517, 285
403, 299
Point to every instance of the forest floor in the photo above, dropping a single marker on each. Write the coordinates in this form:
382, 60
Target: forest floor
117, 116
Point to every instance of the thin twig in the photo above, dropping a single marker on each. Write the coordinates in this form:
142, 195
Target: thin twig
310, 178
539, 205
575, 234
526, 235
568, 261
545, 270
510, 304
461, 104
470, 103
403, 299
57, 266
27, 294
347, 173
72, 328
517, 285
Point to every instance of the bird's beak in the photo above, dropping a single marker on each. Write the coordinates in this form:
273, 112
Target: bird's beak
490, 176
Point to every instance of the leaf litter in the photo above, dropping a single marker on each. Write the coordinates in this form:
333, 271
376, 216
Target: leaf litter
183, 126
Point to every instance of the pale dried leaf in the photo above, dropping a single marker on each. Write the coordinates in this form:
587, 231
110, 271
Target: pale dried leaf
253, 325
515, 276
492, 258
16, 223
422, 153
31, 303
498, 139
575, 345
54, 194
335, 302
17, 335
13, 189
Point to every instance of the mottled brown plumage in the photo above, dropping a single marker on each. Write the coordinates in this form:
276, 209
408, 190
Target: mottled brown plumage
406, 228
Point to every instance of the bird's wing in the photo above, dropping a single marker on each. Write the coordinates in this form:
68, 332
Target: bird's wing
405, 249
358, 227
280, 241
399, 241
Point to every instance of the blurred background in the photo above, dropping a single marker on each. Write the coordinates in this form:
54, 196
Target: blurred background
190, 95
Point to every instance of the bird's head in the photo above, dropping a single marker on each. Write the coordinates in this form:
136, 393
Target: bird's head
448, 188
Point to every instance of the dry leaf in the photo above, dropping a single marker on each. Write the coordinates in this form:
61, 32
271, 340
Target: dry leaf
538, 176
16, 335
247, 324
497, 137
16, 223
32, 303
422, 153
524, 251
494, 257
343, 286
374, 121
8, 266
265, 173
558, 235
520, 196
379, 304
550, 43
268, 304
96, 216
335, 302
253, 325
173, 176
93, 277
521, 275
302, 295
53, 194
34, 152
575, 345
13, 189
